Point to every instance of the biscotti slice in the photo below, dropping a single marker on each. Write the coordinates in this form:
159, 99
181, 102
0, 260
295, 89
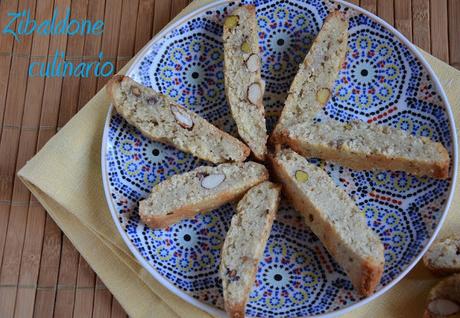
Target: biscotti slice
245, 243
161, 119
313, 83
333, 217
243, 84
364, 146
443, 257
203, 189
444, 299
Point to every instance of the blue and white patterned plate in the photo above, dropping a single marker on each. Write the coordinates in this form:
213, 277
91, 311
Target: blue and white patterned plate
384, 80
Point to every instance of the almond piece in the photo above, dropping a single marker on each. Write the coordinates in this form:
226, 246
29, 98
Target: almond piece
182, 118
301, 176
322, 96
212, 181
443, 307
253, 63
231, 21
136, 91
245, 47
255, 93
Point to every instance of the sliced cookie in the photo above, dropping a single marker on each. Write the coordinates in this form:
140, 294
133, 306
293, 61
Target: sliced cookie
161, 119
312, 86
364, 146
244, 86
244, 245
203, 189
443, 257
444, 299
333, 217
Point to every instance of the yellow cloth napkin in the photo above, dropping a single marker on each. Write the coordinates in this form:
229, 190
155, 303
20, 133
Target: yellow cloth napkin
65, 176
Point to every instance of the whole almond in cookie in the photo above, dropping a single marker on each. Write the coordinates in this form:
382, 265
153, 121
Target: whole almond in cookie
212, 181
182, 118
253, 63
443, 307
255, 93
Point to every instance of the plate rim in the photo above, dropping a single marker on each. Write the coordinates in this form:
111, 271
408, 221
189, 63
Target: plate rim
218, 312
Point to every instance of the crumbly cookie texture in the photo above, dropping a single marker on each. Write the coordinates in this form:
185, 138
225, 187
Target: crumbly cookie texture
161, 119
364, 146
443, 257
244, 245
244, 86
444, 299
333, 217
203, 189
312, 86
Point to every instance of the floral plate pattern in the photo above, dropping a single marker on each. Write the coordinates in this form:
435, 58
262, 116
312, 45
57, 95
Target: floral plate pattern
383, 80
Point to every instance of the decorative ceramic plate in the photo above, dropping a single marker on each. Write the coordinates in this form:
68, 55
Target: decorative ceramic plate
384, 80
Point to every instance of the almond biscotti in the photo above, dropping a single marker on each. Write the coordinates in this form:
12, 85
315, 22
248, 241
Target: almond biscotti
161, 119
245, 243
243, 84
333, 217
444, 299
443, 257
313, 83
364, 146
203, 189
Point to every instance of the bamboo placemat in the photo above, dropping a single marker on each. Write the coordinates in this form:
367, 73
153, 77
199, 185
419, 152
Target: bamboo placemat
41, 273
